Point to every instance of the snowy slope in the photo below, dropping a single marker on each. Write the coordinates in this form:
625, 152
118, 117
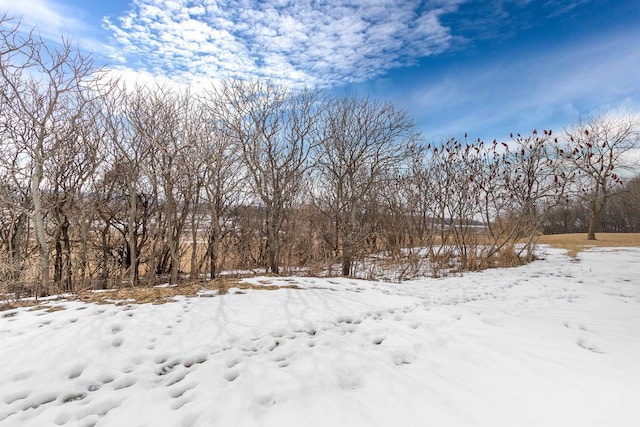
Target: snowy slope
553, 343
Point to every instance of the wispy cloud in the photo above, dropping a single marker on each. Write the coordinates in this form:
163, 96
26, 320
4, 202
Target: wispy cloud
551, 89
299, 42
48, 17
53, 20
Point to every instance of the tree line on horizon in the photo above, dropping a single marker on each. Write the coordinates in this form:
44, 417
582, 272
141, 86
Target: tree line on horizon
103, 185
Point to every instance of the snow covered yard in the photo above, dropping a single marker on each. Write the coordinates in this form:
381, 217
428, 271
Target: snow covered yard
553, 343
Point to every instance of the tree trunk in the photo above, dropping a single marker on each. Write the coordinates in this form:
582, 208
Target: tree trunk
272, 241
84, 239
67, 278
173, 238
15, 244
133, 252
346, 260
38, 222
104, 274
214, 243
57, 259
194, 272
593, 222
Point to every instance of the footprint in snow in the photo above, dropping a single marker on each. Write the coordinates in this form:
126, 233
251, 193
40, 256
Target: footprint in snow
22, 375
274, 345
231, 375
179, 403
279, 359
189, 420
167, 367
378, 340
160, 359
177, 377
195, 360
76, 371
588, 346
14, 397
266, 400
278, 333
34, 402
72, 397
179, 391
402, 358
117, 342
98, 409
123, 383
62, 418
106, 379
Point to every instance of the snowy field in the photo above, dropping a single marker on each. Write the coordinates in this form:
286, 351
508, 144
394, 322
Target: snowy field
553, 343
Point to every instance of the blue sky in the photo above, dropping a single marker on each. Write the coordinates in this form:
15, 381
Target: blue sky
487, 67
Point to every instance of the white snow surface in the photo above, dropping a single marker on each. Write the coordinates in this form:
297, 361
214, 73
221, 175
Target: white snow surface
552, 343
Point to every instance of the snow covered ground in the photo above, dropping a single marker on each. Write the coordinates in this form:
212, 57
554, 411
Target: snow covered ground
553, 343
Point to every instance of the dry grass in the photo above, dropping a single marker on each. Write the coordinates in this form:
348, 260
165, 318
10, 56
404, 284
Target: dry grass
144, 295
574, 243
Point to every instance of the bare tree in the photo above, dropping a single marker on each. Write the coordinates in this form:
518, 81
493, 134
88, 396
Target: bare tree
42, 87
595, 156
223, 173
455, 206
518, 183
158, 118
275, 130
363, 143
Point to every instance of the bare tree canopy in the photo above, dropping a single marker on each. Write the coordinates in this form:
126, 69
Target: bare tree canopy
595, 155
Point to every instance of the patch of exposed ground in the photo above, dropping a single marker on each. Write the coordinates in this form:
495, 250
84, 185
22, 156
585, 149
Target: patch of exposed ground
575, 243
143, 294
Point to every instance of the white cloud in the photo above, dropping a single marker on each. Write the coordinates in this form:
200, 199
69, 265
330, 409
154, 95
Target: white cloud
306, 42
